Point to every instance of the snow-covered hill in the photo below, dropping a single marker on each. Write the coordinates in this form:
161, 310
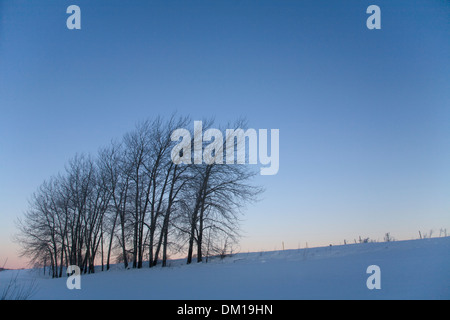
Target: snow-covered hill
413, 269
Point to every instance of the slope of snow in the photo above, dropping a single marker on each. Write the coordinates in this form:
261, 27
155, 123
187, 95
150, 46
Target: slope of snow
413, 269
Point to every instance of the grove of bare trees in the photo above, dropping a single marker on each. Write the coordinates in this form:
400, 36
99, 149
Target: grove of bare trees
132, 204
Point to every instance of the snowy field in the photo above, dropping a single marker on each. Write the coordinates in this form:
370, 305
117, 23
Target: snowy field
413, 269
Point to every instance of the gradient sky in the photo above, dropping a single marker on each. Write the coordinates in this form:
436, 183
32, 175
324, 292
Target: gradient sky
363, 114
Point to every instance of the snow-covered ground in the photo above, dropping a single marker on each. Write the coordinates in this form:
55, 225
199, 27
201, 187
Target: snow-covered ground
413, 269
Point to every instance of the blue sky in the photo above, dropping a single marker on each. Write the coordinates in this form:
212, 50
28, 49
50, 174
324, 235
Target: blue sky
363, 114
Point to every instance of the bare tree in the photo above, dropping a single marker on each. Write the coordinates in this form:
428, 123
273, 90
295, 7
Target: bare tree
132, 197
115, 177
220, 190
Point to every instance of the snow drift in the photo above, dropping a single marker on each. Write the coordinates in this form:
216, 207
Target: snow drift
413, 269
